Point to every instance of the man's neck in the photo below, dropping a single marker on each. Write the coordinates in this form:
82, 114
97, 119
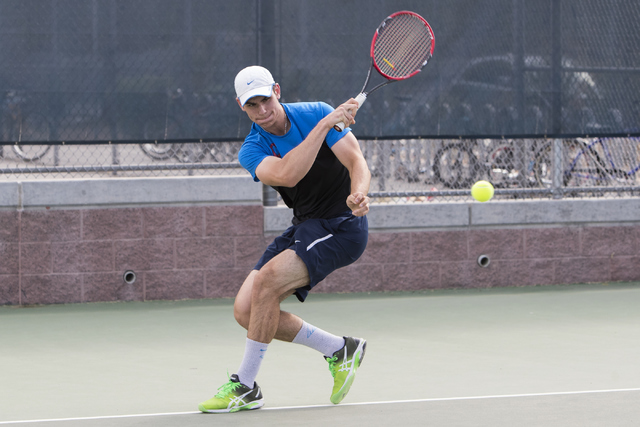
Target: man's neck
282, 126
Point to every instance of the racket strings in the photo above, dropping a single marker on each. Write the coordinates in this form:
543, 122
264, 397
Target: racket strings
403, 46
406, 41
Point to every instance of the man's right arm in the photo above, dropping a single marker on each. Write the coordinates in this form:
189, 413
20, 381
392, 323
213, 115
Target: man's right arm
289, 170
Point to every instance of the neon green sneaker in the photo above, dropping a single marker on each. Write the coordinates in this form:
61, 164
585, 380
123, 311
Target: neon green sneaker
233, 397
343, 366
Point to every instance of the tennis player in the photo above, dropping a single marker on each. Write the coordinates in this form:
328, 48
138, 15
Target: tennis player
322, 175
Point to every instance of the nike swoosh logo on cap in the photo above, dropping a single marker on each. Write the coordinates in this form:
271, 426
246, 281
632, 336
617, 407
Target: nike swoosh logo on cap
248, 83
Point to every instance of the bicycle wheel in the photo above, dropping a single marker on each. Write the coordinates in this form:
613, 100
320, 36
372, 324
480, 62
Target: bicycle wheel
190, 152
456, 166
622, 156
502, 167
34, 127
585, 167
510, 165
222, 152
581, 165
158, 129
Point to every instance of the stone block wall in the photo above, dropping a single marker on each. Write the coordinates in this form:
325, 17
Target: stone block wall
59, 256
189, 248
517, 257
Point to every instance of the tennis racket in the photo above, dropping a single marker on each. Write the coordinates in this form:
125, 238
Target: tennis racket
401, 46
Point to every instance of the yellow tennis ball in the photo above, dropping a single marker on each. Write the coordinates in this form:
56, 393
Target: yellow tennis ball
482, 191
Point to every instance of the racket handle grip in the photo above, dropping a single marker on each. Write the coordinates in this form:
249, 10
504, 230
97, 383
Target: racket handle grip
360, 99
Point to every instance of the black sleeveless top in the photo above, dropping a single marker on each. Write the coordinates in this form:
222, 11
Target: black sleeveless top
323, 192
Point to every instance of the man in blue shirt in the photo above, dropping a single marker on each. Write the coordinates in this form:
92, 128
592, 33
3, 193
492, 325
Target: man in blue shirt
322, 175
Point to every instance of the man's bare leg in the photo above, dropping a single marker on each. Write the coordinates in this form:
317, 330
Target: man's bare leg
288, 324
290, 327
257, 308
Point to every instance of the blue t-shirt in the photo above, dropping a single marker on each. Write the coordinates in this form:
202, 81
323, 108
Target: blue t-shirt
323, 192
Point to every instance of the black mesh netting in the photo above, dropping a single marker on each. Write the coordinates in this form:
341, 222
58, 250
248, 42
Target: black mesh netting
163, 69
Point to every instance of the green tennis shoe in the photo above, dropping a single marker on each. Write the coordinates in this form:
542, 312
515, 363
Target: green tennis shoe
343, 366
233, 397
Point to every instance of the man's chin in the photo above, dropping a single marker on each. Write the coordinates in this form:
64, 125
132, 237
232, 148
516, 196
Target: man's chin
265, 123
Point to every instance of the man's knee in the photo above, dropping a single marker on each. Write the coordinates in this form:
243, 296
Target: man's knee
260, 289
242, 309
264, 283
242, 314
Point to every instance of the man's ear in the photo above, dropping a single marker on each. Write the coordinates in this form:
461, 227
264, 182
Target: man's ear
239, 105
276, 90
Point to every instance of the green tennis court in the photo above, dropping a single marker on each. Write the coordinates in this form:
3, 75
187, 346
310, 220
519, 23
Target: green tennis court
541, 356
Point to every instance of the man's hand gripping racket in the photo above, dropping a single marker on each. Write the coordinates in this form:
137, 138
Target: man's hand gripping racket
401, 46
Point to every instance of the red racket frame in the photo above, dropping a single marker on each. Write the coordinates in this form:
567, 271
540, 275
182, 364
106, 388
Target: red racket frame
375, 37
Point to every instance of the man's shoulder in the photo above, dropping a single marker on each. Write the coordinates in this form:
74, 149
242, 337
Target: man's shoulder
317, 107
254, 140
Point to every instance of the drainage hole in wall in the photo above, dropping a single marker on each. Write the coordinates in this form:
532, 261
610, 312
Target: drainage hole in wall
129, 277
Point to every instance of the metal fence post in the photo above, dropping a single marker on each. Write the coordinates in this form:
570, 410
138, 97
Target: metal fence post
266, 56
556, 66
557, 165
269, 196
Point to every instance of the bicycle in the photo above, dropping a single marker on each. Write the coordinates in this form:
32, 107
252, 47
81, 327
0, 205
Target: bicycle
456, 165
505, 163
19, 124
511, 163
591, 162
171, 124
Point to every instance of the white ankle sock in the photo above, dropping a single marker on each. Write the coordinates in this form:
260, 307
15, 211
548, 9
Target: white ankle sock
318, 339
254, 352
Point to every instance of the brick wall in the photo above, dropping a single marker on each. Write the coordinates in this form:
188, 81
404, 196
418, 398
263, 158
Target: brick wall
518, 257
56, 256
80, 255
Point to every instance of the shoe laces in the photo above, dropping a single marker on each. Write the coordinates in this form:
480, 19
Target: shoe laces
227, 388
332, 365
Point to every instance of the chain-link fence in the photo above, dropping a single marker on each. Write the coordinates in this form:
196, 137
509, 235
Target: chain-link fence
425, 170
403, 170
145, 88
94, 160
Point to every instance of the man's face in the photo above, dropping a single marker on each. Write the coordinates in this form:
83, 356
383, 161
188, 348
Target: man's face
262, 110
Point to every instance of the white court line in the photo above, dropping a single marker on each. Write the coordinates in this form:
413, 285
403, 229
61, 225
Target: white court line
281, 408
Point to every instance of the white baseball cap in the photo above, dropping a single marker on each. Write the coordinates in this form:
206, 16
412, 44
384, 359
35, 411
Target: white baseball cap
253, 81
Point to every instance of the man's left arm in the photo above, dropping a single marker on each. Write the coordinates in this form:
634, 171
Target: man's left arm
347, 150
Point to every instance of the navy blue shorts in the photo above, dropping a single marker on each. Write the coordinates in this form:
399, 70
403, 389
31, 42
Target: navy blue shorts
324, 245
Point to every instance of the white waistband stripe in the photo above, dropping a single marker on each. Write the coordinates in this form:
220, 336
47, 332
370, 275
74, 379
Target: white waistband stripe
322, 239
